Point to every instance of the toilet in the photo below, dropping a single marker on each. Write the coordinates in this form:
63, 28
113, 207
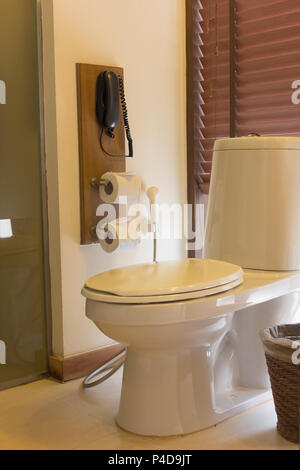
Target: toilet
191, 326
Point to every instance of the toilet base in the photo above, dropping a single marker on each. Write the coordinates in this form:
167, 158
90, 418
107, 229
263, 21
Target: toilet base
247, 399
192, 364
171, 393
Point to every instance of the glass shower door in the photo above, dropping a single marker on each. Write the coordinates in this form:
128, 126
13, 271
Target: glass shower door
23, 348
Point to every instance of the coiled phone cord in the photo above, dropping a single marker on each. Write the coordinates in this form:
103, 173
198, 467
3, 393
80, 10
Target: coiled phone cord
113, 365
126, 124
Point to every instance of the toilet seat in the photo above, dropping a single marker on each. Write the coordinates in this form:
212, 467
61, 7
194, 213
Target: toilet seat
167, 281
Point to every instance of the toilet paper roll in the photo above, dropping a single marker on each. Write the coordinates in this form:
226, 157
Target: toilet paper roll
121, 234
120, 185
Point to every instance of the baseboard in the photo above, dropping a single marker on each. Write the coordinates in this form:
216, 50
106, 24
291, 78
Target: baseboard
74, 367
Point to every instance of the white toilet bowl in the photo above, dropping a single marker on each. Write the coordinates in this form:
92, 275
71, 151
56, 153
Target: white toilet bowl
191, 327
187, 361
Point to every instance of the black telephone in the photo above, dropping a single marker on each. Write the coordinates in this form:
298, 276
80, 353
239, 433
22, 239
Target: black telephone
110, 88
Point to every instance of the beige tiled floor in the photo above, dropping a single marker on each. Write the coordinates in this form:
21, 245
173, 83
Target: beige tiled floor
48, 415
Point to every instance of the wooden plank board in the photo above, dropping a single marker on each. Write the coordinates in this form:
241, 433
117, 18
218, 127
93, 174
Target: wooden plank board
93, 163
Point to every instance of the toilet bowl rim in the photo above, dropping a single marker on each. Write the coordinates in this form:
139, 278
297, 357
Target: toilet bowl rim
258, 287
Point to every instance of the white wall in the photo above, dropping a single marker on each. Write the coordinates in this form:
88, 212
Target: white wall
147, 38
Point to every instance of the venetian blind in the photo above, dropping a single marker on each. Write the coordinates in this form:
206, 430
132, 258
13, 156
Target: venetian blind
261, 41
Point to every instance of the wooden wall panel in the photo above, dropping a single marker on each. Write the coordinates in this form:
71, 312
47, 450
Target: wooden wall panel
92, 161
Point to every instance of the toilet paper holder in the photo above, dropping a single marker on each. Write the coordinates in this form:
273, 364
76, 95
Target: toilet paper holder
108, 191
96, 183
153, 222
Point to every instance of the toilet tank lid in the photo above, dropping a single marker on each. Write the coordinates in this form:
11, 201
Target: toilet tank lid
258, 143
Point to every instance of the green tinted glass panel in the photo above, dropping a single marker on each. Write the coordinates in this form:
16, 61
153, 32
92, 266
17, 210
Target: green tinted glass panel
23, 351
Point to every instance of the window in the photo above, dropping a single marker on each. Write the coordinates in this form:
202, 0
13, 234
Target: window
242, 65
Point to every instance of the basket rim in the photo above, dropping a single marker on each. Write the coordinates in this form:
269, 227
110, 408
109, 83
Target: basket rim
284, 336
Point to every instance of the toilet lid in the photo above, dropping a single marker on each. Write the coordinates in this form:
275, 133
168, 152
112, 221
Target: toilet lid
167, 278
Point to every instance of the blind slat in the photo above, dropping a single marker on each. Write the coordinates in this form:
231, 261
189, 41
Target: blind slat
267, 38
289, 74
249, 91
263, 25
244, 5
247, 54
264, 11
272, 103
286, 114
206, 165
269, 128
270, 64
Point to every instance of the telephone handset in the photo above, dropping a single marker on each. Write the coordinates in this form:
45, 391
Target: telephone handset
110, 89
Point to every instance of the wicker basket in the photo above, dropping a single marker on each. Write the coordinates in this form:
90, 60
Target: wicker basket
281, 343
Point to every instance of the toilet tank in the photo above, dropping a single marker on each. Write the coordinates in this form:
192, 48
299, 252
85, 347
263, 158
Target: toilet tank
254, 203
